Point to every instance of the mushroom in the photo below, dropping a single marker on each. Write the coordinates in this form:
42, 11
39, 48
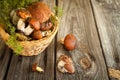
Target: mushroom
70, 42
60, 66
37, 34
65, 64
24, 13
35, 23
36, 68
21, 25
40, 11
46, 26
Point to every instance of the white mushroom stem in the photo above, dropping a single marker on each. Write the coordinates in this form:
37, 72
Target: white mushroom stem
28, 30
61, 67
39, 69
21, 25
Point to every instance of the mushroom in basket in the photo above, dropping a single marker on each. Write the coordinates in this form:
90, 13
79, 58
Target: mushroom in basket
35, 26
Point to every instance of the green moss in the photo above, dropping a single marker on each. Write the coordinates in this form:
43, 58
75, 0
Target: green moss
14, 44
59, 11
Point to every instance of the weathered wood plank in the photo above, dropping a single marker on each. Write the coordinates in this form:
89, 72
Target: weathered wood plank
20, 67
107, 15
4, 59
78, 19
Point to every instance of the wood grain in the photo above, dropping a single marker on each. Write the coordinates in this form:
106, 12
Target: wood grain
78, 19
21, 67
4, 59
107, 15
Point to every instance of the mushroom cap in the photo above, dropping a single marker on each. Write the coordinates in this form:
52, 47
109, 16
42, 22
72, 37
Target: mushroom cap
70, 42
34, 66
35, 23
40, 11
37, 34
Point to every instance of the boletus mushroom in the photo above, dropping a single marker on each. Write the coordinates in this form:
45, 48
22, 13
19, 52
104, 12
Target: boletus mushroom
70, 42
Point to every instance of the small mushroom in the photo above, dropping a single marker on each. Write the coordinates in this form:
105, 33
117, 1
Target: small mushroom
46, 26
36, 68
37, 34
35, 23
65, 64
70, 42
60, 66
24, 13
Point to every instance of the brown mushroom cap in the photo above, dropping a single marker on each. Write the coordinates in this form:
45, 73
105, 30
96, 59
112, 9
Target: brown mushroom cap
40, 11
35, 24
34, 66
37, 34
70, 42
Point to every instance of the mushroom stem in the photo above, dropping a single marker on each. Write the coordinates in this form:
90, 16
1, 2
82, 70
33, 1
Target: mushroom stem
61, 41
39, 69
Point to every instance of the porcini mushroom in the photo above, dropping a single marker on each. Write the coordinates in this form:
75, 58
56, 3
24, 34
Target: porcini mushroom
40, 11
37, 34
24, 13
65, 64
36, 68
70, 42
35, 23
46, 26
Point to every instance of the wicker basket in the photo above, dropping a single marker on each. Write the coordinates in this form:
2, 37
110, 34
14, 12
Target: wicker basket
35, 47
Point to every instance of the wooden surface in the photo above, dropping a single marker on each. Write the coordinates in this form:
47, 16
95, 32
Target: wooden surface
78, 20
107, 17
95, 23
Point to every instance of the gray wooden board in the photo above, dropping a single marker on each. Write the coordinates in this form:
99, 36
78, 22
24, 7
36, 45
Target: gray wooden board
20, 67
78, 19
107, 15
4, 59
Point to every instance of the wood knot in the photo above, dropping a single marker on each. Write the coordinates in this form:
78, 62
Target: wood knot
85, 63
